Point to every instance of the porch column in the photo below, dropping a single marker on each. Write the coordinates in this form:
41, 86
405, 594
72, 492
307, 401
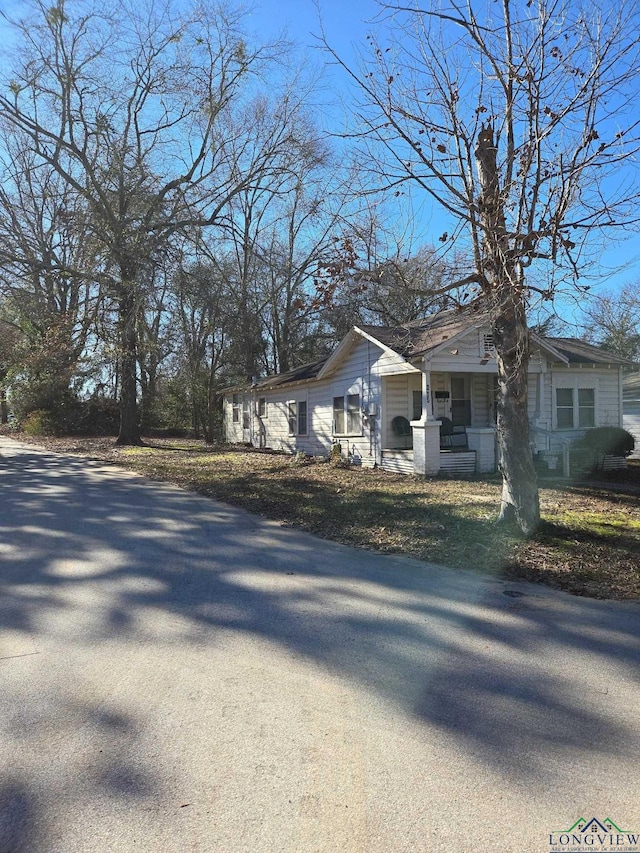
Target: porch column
426, 447
427, 394
482, 440
426, 432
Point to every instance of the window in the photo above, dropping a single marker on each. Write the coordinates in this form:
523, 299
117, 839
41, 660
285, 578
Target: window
297, 417
586, 407
246, 414
262, 407
292, 414
353, 413
460, 401
564, 407
302, 417
338, 416
347, 415
235, 408
416, 408
488, 344
575, 408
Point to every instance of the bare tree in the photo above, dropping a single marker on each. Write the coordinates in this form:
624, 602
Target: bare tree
204, 316
612, 320
136, 108
44, 241
515, 119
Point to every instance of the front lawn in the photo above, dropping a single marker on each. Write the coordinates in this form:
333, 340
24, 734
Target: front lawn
588, 544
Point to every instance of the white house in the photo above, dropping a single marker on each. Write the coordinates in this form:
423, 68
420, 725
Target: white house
420, 398
631, 408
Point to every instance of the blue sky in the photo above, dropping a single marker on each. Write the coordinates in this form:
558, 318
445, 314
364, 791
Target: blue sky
346, 23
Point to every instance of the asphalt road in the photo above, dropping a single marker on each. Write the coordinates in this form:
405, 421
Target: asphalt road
177, 675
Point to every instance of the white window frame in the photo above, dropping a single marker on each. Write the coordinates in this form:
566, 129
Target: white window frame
263, 414
296, 401
345, 393
235, 408
575, 385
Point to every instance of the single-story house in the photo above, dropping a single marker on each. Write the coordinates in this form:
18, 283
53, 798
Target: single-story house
631, 408
420, 398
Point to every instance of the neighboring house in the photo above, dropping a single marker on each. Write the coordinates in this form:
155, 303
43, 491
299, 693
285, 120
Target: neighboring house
421, 398
631, 409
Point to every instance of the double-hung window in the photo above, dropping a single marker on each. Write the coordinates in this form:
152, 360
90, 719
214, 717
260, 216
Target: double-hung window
297, 417
235, 409
246, 413
575, 408
347, 415
262, 407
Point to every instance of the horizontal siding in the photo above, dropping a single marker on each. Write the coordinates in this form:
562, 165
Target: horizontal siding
467, 353
481, 392
396, 404
373, 373
607, 387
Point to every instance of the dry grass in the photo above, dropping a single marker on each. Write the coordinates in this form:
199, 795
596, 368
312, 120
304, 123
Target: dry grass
588, 543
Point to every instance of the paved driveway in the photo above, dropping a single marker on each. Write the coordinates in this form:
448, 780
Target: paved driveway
177, 675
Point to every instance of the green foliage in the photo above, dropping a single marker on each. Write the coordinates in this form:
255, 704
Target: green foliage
97, 416
38, 423
613, 441
70, 416
588, 451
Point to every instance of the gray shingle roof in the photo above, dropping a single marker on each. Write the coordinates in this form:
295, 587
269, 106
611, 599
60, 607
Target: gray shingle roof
421, 336
580, 352
298, 374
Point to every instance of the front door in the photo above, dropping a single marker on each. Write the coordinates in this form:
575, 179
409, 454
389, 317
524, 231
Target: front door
461, 400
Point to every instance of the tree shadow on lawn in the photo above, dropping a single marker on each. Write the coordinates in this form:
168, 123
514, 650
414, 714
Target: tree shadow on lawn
503, 676
375, 518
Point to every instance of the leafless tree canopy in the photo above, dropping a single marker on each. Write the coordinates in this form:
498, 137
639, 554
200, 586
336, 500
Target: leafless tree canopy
538, 98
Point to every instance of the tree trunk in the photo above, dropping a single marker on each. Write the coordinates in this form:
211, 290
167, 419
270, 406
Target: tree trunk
129, 425
4, 409
503, 286
519, 481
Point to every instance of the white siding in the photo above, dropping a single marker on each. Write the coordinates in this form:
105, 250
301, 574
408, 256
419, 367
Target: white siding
631, 422
385, 384
234, 432
607, 398
396, 403
482, 400
360, 372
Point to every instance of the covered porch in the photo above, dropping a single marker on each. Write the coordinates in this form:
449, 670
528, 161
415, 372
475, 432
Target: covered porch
440, 422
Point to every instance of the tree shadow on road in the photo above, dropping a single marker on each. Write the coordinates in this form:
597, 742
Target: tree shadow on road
450, 650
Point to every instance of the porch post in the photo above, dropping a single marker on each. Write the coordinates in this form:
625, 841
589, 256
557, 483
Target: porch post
427, 396
426, 432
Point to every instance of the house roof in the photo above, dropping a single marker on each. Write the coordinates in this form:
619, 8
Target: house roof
420, 337
298, 374
577, 351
